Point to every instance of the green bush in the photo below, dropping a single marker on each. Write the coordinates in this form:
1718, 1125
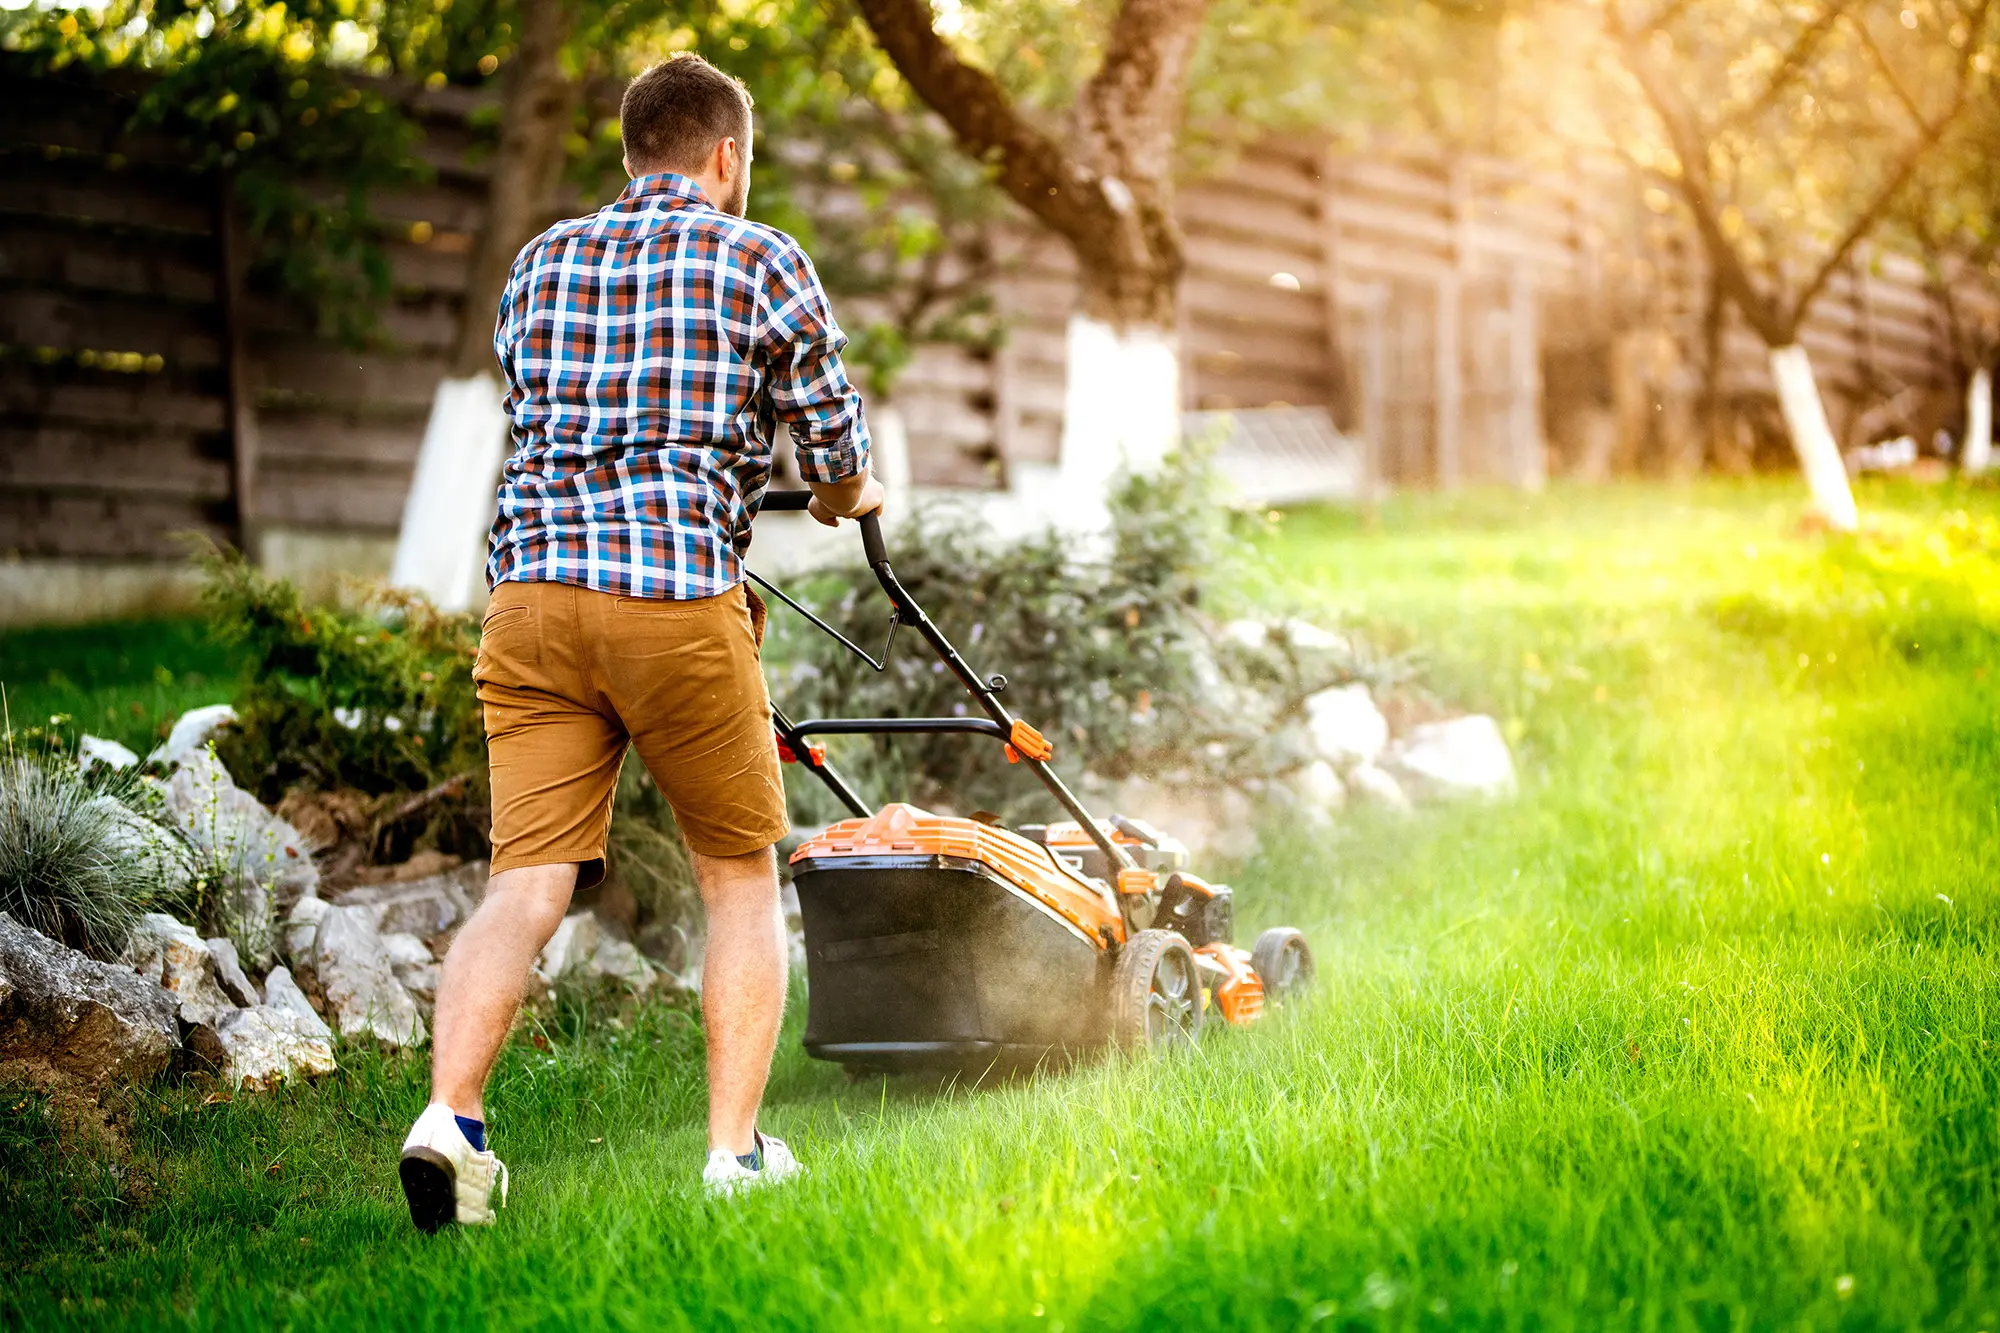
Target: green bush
1110, 649
84, 852
376, 697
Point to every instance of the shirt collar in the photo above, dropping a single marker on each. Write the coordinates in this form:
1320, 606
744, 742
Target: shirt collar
668, 185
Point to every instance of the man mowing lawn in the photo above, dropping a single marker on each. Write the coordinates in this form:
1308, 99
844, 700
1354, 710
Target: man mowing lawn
648, 349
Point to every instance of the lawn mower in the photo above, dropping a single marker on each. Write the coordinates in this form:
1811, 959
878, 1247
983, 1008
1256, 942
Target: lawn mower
946, 942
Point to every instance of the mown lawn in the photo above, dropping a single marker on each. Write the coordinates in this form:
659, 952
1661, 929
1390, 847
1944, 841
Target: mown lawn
1697, 1033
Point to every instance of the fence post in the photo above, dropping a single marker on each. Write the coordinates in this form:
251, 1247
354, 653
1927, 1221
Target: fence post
1339, 384
232, 255
1448, 352
1524, 385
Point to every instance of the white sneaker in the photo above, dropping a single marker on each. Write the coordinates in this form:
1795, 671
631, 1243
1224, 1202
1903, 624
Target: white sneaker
724, 1175
445, 1178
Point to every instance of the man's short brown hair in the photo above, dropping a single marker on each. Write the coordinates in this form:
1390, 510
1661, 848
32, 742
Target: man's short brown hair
676, 112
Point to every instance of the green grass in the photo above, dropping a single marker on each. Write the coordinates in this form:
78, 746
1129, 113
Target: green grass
1697, 1033
128, 685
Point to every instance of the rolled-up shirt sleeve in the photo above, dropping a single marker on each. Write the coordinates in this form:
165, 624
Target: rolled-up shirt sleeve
808, 385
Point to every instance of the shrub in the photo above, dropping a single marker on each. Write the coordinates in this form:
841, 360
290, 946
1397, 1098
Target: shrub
1110, 649
83, 852
377, 697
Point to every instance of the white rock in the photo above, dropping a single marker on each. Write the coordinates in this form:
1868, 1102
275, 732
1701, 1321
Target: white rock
265, 862
302, 928
192, 733
575, 940
164, 950
229, 971
422, 907
618, 959
1346, 726
281, 992
92, 1021
1247, 633
405, 950
1463, 756
97, 750
1304, 634
133, 837
421, 981
267, 1046
1319, 790
1377, 787
360, 982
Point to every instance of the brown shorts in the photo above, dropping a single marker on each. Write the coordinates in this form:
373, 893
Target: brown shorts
569, 677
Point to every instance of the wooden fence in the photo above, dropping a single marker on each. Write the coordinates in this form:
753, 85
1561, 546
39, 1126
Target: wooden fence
1470, 319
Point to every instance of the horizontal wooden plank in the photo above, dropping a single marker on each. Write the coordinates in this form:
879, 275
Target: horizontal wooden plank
47, 523
184, 335
933, 422
942, 368
319, 440
342, 498
1251, 303
310, 372
1282, 180
1218, 217
1034, 440
1423, 188
48, 252
71, 459
1372, 218
44, 114
427, 268
30, 392
1219, 394
82, 191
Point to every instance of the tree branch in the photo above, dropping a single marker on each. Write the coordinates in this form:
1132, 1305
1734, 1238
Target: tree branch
1033, 168
1791, 63
1906, 167
1692, 181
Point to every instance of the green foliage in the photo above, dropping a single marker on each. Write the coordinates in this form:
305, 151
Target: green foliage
1110, 652
378, 697
251, 92
84, 852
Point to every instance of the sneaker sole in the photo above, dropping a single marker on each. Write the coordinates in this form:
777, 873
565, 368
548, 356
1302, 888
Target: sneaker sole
428, 1185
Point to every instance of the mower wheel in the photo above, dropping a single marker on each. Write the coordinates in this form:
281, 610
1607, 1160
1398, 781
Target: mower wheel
1284, 963
1156, 992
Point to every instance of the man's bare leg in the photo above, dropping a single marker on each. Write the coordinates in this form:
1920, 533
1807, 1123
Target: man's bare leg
485, 973
742, 989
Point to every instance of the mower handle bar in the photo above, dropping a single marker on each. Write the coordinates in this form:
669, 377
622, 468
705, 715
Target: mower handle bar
985, 691
871, 523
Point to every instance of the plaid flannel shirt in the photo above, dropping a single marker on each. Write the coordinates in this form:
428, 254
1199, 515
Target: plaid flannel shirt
649, 351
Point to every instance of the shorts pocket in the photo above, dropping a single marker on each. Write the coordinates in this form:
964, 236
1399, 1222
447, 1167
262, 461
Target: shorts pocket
509, 638
666, 608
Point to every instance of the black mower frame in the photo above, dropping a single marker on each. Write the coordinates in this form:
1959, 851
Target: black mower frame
998, 723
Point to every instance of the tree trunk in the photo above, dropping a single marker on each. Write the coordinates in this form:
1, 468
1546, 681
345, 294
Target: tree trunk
1812, 437
535, 118
1977, 455
440, 549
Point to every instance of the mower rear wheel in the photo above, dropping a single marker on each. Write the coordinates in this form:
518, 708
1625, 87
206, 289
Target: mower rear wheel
1283, 961
1156, 992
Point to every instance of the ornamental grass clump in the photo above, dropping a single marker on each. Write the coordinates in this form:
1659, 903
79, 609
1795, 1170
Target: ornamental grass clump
82, 853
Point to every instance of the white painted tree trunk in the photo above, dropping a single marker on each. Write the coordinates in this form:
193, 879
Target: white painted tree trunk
1121, 410
1812, 437
441, 550
1977, 455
